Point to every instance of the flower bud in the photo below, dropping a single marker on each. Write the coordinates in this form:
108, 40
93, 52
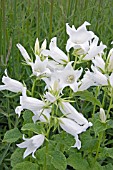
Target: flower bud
102, 115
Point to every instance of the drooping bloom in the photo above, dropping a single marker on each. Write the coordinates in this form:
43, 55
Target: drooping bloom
73, 128
78, 38
70, 112
11, 84
29, 103
55, 53
31, 144
94, 78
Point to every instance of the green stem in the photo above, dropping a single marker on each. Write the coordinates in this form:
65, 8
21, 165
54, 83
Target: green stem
98, 147
96, 95
75, 62
110, 104
33, 87
103, 99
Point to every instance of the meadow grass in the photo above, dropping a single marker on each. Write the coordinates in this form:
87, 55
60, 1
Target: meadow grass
22, 21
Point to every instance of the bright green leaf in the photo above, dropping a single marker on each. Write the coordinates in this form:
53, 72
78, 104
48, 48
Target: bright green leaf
26, 165
88, 96
17, 157
27, 115
36, 128
12, 135
76, 161
59, 160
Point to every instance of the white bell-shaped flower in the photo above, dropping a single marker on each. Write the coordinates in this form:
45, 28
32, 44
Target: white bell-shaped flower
70, 112
55, 53
95, 78
24, 53
69, 77
29, 103
11, 84
40, 67
42, 115
94, 49
99, 63
73, 128
78, 38
31, 144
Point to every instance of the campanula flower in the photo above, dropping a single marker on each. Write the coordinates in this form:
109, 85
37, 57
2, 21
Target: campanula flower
31, 144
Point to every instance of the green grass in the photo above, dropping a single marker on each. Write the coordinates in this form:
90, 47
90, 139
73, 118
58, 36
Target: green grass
25, 20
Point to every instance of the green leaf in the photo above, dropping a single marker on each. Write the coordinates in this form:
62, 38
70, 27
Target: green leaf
27, 116
64, 141
36, 128
89, 143
17, 157
106, 152
88, 96
26, 165
12, 135
48, 150
108, 167
76, 161
59, 160
98, 126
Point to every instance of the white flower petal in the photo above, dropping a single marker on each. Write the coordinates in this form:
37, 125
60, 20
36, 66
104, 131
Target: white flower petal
55, 53
32, 144
24, 53
69, 111
78, 142
11, 85
111, 79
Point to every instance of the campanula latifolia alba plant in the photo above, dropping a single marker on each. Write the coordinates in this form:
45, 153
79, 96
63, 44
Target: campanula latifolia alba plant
59, 128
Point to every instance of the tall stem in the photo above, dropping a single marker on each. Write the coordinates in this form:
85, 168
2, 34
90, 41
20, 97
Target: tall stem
110, 104
96, 95
98, 147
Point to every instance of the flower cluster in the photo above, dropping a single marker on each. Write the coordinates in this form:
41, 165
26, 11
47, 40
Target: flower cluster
60, 71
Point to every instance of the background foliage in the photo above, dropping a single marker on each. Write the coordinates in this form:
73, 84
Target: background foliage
25, 20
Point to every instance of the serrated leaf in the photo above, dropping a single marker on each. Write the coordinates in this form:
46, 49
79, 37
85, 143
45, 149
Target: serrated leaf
98, 126
108, 167
89, 143
64, 140
76, 161
106, 152
59, 160
17, 157
41, 156
12, 135
27, 116
36, 128
88, 96
26, 165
